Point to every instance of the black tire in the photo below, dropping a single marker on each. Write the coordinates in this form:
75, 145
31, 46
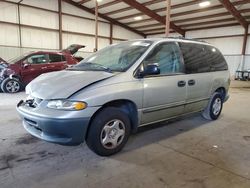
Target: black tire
97, 131
11, 85
214, 107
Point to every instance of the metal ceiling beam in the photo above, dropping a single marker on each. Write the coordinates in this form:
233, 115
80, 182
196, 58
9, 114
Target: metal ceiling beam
113, 21
190, 19
189, 3
231, 8
131, 8
83, 1
108, 4
153, 15
182, 13
191, 24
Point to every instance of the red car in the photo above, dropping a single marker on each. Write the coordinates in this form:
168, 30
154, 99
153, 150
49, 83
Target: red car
18, 72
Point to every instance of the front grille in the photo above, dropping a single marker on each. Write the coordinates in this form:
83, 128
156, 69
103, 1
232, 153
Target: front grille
32, 124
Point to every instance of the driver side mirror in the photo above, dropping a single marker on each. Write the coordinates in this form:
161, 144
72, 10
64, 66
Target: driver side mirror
150, 69
25, 65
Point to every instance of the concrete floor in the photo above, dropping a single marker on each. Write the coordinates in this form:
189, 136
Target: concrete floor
191, 152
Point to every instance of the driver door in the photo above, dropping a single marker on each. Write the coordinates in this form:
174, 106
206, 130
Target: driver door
164, 94
33, 66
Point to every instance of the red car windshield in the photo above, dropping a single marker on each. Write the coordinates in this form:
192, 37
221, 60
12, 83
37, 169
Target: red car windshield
16, 59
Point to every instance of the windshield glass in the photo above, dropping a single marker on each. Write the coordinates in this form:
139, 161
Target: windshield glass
16, 59
117, 58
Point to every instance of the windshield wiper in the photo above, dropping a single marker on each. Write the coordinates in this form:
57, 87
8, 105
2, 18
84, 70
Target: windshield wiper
93, 67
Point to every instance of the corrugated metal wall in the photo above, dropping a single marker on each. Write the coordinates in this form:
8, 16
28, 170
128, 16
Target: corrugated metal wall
80, 30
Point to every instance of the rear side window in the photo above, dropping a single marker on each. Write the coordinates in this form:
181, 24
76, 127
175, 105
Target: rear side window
200, 58
195, 58
56, 58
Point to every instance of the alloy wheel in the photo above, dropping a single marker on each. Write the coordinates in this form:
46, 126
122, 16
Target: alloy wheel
112, 134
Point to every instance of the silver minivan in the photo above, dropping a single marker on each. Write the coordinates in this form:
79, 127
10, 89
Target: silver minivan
107, 96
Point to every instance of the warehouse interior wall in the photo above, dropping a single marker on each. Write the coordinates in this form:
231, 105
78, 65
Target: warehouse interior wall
78, 28
40, 31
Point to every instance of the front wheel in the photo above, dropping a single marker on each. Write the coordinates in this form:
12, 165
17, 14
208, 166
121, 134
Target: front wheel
11, 85
109, 131
214, 107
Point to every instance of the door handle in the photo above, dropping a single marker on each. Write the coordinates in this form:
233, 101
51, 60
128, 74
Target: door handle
191, 82
181, 83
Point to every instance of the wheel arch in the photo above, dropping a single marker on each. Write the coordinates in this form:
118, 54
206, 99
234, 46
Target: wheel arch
128, 106
16, 77
221, 90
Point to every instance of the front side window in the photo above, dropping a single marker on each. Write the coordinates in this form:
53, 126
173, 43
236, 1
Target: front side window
118, 57
167, 57
37, 59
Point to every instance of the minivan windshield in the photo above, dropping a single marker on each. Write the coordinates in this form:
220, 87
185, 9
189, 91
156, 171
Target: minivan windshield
114, 58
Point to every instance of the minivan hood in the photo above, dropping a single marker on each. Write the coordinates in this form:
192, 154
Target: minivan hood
62, 84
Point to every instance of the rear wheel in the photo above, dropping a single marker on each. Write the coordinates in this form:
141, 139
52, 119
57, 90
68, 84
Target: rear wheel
11, 85
109, 131
214, 107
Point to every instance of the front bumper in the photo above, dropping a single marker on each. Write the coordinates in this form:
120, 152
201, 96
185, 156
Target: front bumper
62, 129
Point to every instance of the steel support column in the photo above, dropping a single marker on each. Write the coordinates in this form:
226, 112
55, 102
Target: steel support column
96, 26
111, 34
168, 2
60, 23
19, 24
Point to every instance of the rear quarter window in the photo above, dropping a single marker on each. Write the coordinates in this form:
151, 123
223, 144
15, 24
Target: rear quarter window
201, 58
215, 59
56, 58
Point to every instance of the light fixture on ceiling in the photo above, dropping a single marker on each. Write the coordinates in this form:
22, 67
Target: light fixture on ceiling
204, 4
99, 1
138, 18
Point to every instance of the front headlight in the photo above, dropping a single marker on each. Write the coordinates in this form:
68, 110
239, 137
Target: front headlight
66, 105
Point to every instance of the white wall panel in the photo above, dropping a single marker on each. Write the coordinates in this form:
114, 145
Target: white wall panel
70, 9
102, 43
39, 38
120, 32
116, 41
9, 35
247, 62
46, 4
104, 29
228, 46
8, 12
40, 18
248, 46
81, 25
78, 25
69, 39
235, 30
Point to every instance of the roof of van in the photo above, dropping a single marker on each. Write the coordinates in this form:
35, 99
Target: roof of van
179, 39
